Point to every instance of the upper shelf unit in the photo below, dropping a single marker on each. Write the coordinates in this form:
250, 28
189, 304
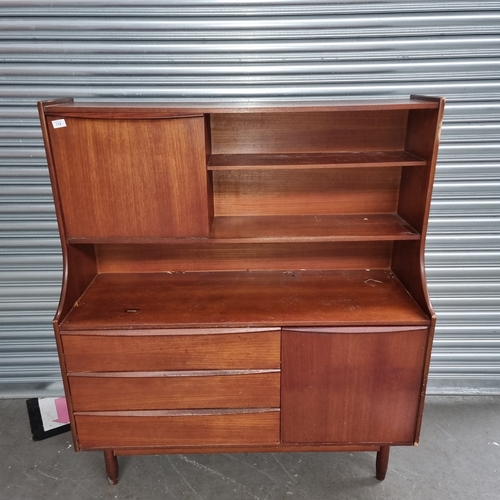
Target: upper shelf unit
311, 172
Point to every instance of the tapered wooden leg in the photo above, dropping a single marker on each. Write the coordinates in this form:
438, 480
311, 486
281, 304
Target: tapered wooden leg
111, 466
382, 462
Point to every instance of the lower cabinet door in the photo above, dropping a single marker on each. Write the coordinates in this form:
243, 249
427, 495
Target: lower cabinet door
342, 385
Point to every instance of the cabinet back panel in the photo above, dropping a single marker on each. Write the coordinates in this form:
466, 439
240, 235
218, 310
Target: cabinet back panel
135, 178
308, 132
147, 258
306, 192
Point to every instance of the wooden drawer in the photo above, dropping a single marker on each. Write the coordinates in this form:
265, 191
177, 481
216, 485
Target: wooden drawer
175, 390
170, 428
162, 350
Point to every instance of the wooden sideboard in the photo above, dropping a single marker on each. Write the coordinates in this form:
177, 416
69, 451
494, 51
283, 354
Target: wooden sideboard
243, 278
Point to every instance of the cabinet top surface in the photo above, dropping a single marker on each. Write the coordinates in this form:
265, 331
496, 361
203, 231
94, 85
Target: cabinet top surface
68, 106
242, 299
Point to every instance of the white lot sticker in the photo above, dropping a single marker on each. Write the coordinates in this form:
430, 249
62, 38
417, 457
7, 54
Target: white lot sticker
59, 123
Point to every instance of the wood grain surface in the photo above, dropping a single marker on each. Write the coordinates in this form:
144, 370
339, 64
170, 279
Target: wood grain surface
244, 299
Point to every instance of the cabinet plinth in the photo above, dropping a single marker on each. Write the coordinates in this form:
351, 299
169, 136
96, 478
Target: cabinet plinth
243, 278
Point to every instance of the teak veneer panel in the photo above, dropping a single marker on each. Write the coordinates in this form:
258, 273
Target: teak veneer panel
196, 428
156, 257
157, 350
244, 299
304, 132
306, 192
119, 178
158, 391
352, 387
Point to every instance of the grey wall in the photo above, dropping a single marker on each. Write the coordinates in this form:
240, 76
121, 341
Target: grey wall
258, 50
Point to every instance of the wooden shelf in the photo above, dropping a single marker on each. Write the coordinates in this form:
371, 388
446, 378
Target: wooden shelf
289, 229
242, 299
312, 228
314, 160
160, 110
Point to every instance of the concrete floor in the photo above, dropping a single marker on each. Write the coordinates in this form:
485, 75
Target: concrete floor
458, 459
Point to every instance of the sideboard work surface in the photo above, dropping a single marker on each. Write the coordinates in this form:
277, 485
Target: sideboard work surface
243, 278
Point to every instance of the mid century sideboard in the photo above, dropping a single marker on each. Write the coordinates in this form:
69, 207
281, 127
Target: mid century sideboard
243, 277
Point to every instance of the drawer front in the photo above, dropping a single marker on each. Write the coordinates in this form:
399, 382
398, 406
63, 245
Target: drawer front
105, 352
150, 429
175, 391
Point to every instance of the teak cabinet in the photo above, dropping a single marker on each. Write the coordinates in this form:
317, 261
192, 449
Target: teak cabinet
243, 277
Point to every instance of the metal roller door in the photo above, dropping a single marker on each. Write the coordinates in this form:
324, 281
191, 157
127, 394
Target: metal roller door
256, 49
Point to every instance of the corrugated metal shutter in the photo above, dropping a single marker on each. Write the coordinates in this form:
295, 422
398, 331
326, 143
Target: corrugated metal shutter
256, 49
